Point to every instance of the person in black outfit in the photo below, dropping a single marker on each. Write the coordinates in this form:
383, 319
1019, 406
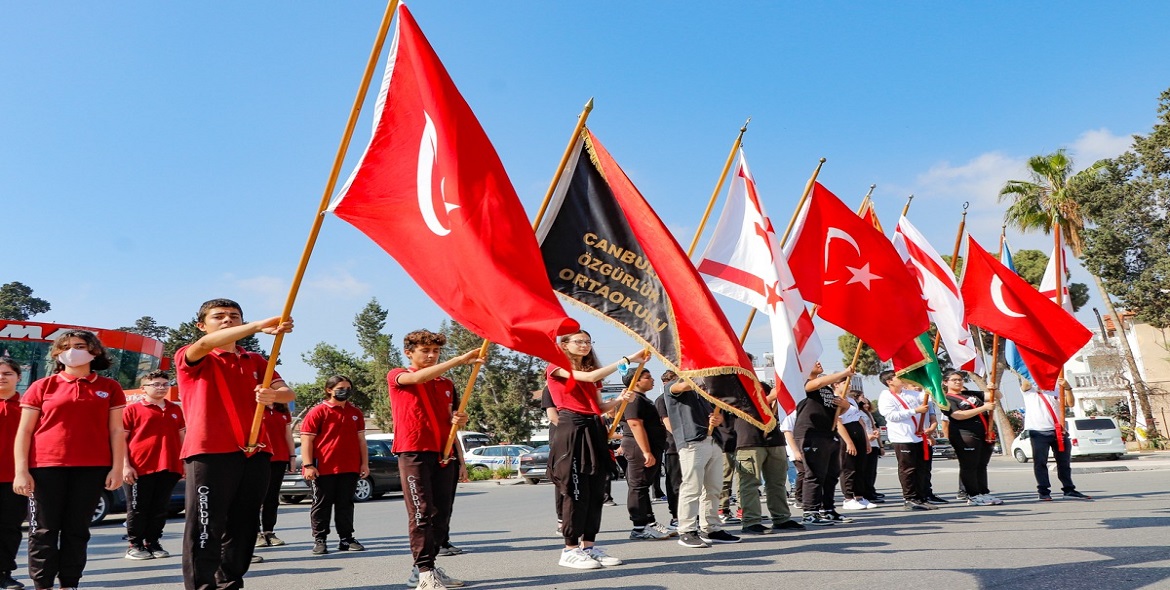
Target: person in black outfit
670, 464
643, 439
550, 410
970, 426
819, 446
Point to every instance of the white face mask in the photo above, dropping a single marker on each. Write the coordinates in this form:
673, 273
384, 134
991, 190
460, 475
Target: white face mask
75, 357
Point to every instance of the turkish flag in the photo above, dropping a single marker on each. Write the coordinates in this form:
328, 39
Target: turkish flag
1001, 302
849, 268
431, 191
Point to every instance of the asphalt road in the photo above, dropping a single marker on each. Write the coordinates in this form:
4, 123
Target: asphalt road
1117, 542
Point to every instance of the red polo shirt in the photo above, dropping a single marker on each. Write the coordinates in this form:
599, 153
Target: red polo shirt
275, 424
422, 413
73, 429
152, 436
9, 420
581, 399
335, 430
219, 398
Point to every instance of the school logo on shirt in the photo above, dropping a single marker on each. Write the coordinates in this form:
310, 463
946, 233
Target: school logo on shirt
103, 394
175, 416
354, 418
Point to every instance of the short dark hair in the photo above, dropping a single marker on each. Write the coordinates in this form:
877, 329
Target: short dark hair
214, 303
668, 376
886, 376
628, 378
421, 337
12, 364
158, 374
100, 361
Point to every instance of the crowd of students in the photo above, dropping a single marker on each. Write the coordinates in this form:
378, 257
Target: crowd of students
48, 454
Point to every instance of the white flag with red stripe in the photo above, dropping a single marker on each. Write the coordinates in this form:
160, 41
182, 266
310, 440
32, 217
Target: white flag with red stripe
743, 261
1048, 283
941, 292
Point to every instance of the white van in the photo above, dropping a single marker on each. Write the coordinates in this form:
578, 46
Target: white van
1091, 437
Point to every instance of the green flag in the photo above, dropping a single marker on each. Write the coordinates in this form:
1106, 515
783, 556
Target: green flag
915, 362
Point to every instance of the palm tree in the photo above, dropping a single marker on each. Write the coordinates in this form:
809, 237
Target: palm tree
1046, 201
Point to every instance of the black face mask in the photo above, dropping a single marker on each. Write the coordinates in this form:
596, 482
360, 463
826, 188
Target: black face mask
341, 394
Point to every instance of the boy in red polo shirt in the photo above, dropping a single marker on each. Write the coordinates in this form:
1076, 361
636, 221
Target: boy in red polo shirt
154, 438
423, 403
219, 385
335, 456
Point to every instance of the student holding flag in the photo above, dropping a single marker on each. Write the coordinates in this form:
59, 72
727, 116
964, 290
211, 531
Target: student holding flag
1040, 420
970, 417
578, 452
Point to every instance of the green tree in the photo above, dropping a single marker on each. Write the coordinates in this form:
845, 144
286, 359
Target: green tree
868, 362
17, 302
1128, 245
380, 355
146, 326
502, 404
330, 360
1049, 201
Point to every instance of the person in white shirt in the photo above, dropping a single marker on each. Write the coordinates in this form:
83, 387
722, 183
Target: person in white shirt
1040, 410
905, 413
854, 456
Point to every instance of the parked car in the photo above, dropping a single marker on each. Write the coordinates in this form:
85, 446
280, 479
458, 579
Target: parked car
1090, 437
383, 477
114, 502
942, 449
467, 439
494, 456
534, 465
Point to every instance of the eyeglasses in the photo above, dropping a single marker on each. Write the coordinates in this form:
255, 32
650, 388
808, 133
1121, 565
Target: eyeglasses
582, 342
156, 385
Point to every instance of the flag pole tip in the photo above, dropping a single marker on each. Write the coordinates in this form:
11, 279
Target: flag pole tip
966, 204
871, 187
745, 124
823, 160
589, 105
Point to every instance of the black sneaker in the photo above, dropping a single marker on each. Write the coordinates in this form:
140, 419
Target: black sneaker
917, 505
815, 518
1075, 495
257, 559
351, 544
719, 536
756, 529
448, 549
155, 549
880, 495
7, 582
1043, 497
834, 516
319, 547
138, 553
875, 500
933, 499
691, 540
789, 525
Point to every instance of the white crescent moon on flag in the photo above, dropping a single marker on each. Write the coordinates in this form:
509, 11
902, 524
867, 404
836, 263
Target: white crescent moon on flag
997, 298
427, 155
840, 235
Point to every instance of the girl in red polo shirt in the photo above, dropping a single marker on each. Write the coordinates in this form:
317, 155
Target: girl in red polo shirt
61, 464
578, 452
13, 507
278, 425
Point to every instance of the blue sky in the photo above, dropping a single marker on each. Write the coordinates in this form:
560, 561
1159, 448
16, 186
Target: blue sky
155, 155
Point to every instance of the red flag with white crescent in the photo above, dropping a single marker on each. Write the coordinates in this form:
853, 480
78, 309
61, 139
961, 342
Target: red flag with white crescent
431, 191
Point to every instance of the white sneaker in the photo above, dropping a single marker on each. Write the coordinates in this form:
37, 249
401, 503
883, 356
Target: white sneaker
853, 505
430, 581
979, 500
446, 580
602, 557
577, 558
994, 501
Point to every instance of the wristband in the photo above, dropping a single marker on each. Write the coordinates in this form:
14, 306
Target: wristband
627, 359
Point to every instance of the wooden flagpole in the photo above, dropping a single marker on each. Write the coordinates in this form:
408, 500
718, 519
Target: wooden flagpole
707, 214
483, 349
330, 185
1058, 254
617, 417
718, 186
955, 258
808, 186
